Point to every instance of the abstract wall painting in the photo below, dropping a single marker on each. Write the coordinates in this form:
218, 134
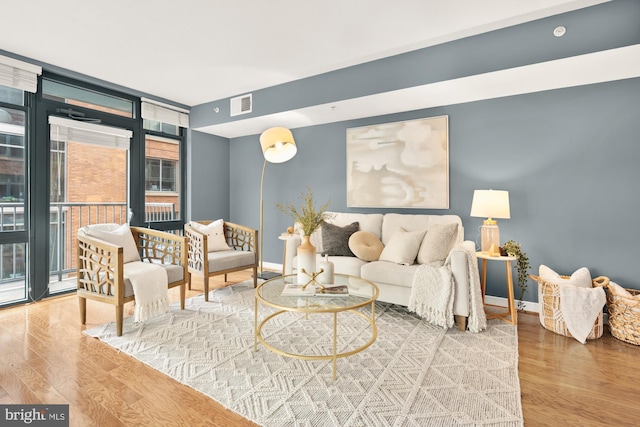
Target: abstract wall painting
399, 165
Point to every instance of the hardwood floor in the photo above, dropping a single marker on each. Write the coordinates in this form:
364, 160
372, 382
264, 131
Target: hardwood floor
46, 359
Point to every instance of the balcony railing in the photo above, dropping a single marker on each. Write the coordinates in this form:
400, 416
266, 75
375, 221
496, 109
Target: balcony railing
64, 221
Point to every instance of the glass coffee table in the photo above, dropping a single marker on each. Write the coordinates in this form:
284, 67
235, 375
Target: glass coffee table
361, 293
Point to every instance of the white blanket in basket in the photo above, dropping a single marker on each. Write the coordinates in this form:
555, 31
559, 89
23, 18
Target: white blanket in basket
580, 308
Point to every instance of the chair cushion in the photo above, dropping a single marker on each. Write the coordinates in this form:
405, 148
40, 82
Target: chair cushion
224, 260
119, 235
437, 243
215, 234
402, 247
174, 274
335, 239
365, 245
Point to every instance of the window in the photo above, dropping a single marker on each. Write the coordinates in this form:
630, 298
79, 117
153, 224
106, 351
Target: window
82, 97
161, 175
58, 172
161, 127
11, 95
12, 154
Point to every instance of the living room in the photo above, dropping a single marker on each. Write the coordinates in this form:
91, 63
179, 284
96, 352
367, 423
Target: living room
550, 118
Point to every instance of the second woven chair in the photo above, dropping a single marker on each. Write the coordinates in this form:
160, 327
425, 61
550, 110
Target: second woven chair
220, 247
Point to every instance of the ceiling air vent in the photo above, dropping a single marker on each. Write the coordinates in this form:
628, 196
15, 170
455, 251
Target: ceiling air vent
241, 105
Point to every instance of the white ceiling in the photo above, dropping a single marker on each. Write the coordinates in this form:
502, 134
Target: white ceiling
196, 51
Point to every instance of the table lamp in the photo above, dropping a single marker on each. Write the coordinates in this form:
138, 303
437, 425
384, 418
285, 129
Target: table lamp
490, 204
278, 146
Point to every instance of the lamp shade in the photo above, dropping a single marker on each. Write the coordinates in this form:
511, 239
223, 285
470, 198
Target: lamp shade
278, 145
490, 204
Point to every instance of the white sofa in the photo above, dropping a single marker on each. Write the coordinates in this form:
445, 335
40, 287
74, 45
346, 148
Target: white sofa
394, 280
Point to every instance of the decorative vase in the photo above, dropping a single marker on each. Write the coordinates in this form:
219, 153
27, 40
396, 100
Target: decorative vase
326, 268
306, 260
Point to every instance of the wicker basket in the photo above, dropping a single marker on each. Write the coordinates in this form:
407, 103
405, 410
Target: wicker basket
550, 315
624, 316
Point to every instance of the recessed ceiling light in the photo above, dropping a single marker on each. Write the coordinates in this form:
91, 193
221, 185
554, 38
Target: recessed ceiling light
559, 31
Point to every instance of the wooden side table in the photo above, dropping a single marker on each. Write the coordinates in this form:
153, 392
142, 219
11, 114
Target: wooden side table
513, 313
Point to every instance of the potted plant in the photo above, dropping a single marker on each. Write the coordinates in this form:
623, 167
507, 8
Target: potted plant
309, 218
512, 248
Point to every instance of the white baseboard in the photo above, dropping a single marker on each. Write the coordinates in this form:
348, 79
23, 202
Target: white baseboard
272, 266
533, 307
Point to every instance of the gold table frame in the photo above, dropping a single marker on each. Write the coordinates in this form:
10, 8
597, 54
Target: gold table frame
349, 304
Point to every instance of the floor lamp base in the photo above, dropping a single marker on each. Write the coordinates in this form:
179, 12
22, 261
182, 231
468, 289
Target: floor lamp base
266, 275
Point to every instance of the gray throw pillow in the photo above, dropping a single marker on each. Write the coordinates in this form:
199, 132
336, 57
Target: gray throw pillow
335, 239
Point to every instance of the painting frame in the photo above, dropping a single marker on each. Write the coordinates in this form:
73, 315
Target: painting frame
402, 164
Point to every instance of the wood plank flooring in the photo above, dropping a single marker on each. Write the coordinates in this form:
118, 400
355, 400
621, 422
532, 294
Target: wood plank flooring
45, 358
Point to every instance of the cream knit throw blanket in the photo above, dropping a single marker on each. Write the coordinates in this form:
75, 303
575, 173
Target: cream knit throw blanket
432, 293
149, 282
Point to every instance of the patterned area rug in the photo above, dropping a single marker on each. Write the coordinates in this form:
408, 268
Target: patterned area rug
414, 374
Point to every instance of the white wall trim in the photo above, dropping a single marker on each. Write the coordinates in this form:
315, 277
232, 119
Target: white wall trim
533, 307
272, 266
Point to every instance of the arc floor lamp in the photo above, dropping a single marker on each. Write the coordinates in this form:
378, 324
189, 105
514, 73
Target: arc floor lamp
278, 146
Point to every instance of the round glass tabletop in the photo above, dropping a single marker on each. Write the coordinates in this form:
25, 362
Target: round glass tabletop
346, 293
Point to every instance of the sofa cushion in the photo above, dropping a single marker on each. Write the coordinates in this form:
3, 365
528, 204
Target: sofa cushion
402, 247
413, 222
368, 222
335, 239
437, 243
225, 260
388, 272
215, 234
365, 245
348, 265
119, 235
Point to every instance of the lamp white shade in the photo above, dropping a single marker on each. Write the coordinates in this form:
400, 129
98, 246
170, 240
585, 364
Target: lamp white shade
278, 145
490, 204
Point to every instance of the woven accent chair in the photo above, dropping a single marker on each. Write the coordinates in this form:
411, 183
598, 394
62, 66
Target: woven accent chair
102, 266
243, 254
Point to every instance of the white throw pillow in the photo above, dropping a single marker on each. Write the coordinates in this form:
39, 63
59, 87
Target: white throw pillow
437, 243
402, 247
619, 290
121, 237
215, 235
581, 277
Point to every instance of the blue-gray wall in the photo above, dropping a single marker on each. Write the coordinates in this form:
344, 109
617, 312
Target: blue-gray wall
567, 157
207, 176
